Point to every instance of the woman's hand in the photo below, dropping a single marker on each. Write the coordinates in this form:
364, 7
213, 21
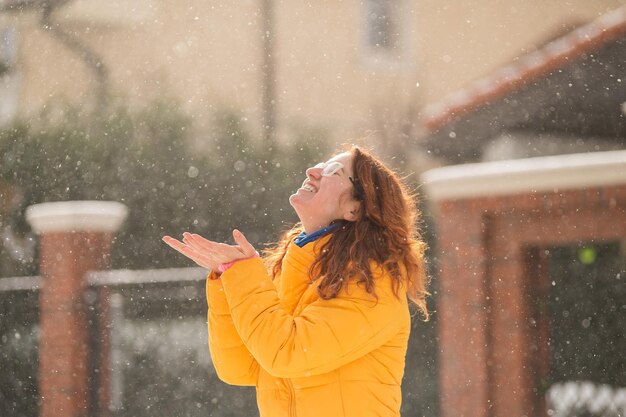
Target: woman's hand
209, 254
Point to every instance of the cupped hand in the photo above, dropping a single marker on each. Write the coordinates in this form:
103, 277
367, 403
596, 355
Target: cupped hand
209, 254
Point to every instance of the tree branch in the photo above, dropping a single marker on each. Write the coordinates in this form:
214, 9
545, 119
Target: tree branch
88, 55
93, 61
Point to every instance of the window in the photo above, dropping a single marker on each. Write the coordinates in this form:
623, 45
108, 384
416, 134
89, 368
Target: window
7, 50
9, 80
382, 30
388, 37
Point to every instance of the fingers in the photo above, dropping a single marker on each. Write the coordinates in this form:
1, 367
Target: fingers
177, 245
199, 249
246, 248
202, 259
180, 247
199, 242
204, 251
230, 252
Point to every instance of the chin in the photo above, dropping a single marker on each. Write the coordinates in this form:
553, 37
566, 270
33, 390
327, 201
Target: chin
295, 204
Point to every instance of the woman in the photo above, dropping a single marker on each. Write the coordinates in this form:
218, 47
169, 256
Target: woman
324, 333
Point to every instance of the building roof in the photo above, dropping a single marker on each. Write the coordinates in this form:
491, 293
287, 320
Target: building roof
534, 65
577, 77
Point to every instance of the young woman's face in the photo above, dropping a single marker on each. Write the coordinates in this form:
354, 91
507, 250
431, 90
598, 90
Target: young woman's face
326, 194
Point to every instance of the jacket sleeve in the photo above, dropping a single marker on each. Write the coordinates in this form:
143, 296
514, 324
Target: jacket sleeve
232, 361
324, 336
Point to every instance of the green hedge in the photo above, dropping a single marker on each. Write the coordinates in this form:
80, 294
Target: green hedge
172, 177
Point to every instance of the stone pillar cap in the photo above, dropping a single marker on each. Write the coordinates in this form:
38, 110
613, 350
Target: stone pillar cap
76, 216
531, 175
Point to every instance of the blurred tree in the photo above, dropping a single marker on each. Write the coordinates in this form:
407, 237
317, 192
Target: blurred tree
69, 39
147, 160
18, 354
268, 72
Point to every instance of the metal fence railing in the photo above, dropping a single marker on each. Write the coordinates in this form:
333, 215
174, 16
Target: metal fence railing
585, 399
157, 345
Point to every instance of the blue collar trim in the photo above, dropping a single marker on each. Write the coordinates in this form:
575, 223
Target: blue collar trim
303, 238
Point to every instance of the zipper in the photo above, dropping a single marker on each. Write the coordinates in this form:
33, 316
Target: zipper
292, 399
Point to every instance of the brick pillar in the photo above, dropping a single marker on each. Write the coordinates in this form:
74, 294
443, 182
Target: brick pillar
463, 311
75, 237
512, 342
493, 221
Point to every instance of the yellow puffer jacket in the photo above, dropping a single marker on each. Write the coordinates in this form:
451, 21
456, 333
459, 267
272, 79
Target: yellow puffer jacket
305, 355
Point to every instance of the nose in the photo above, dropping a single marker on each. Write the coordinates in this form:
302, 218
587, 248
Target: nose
314, 172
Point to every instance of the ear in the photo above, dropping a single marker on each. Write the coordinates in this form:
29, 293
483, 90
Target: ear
352, 211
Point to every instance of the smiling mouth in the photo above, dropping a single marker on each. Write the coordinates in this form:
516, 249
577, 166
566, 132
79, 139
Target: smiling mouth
307, 187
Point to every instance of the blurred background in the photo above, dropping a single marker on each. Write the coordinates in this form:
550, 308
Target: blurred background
202, 116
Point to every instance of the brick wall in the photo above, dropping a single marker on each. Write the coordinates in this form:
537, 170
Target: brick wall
493, 340
75, 238
63, 347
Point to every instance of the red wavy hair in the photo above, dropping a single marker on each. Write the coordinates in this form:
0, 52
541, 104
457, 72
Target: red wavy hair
385, 231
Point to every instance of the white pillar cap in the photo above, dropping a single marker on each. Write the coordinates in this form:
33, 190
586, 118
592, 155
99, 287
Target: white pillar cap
76, 216
532, 175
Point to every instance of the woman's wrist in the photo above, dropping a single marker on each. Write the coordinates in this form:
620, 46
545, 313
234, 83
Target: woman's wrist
223, 267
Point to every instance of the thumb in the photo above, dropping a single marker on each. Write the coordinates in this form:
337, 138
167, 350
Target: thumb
246, 248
